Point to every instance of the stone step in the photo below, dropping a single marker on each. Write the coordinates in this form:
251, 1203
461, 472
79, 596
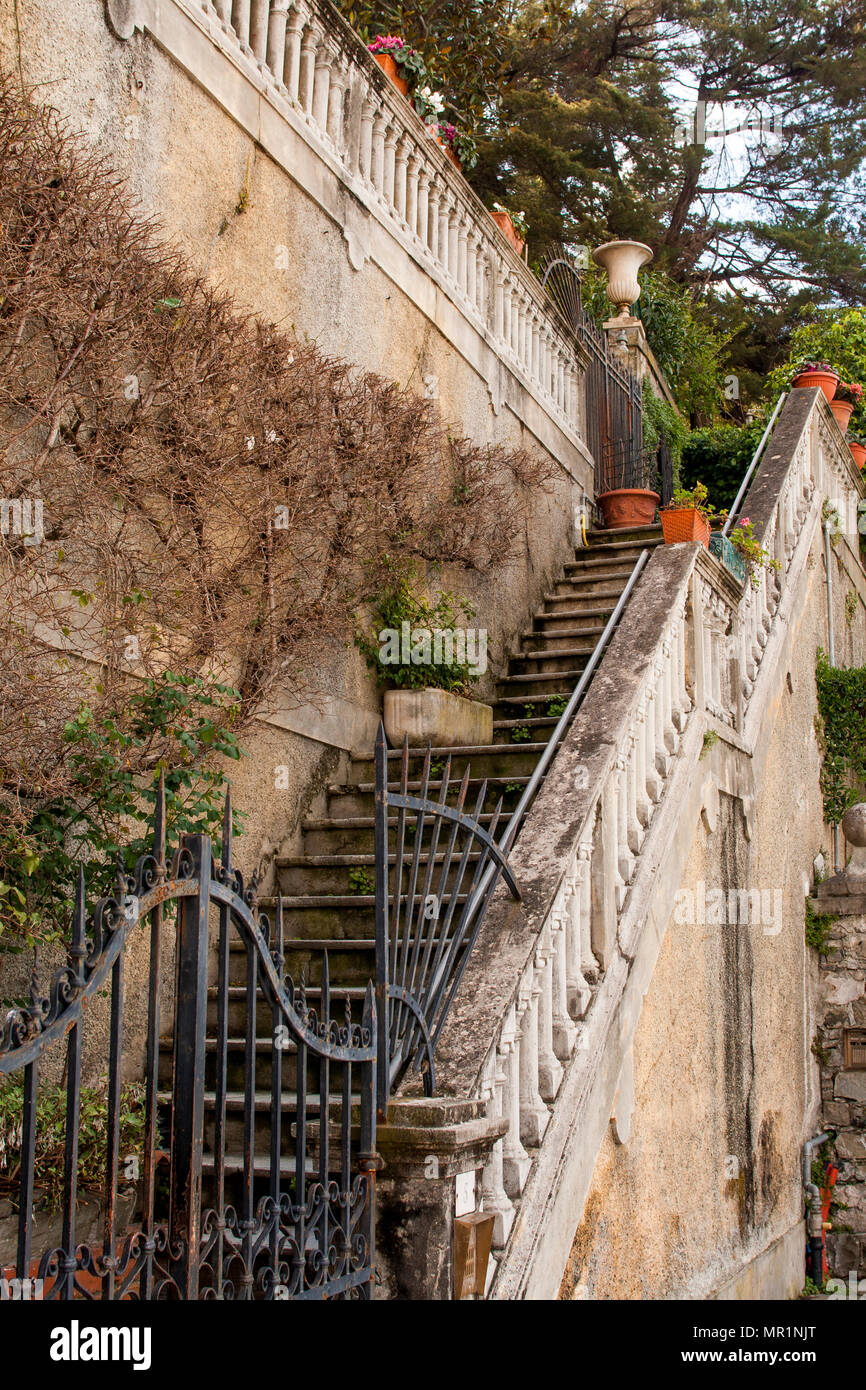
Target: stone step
351, 834
489, 760
329, 873
358, 800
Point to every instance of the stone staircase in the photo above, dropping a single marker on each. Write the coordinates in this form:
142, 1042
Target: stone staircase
328, 891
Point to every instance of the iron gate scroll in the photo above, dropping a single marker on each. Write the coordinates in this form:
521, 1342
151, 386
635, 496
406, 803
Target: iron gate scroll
289, 1214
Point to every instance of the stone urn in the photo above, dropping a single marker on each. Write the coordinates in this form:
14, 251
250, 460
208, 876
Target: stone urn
854, 830
622, 260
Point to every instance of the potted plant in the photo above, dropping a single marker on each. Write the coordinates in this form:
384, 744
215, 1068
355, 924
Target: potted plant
513, 225
428, 664
402, 64
858, 451
688, 516
458, 146
817, 374
743, 540
848, 394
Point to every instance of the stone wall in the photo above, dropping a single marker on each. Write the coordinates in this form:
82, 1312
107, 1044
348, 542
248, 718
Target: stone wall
263, 202
840, 904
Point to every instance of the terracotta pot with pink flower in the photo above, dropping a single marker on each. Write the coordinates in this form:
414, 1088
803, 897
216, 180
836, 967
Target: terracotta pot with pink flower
820, 374
848, 396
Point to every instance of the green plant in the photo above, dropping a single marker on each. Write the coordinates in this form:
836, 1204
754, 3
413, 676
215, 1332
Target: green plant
521, 733
415, 642
720, 454
48, 1169
710, 738
819, 929
512, 787
361, 882
842, 711
818, 1049
556, 707
743, 539
829, 336
696, 498
174, 724
660, 418
852, 603
518, 220
437, 768
811, 1289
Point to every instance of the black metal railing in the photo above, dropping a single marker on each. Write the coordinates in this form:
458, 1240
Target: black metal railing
614, 410
265, 1189
425, 929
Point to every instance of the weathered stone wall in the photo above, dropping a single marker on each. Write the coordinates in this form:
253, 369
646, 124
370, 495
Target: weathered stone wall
704, 1199
840, 909
225, 194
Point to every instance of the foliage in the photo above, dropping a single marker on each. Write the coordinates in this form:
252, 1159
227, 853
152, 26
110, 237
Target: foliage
842, 708
518, 220
827, 336
721, 454
99, 803
850, 391
819, 929
51, 1136
660, 418
743, 539
695, 498
686, 345
361, 881
400, 601
709, 740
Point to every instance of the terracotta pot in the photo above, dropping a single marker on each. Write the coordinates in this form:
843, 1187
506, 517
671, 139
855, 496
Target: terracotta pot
684, 524
827, 381
454, 160
842, 411
859, 452
506, 226
390, 69
628, 506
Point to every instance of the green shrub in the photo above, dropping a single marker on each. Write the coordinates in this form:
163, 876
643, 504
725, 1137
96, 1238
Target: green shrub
842, 709
401, 601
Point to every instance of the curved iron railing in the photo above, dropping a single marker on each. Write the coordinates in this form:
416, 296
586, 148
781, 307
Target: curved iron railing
291, 1214
424, 929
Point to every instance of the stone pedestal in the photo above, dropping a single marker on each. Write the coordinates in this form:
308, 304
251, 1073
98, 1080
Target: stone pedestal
426, 1146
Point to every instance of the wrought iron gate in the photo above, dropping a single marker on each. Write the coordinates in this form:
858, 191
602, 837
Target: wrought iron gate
429, 910
289, 1214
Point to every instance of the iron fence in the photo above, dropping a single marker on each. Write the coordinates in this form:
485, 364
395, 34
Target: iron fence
266, 1187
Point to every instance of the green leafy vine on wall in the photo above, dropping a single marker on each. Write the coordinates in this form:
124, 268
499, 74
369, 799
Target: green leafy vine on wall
842, 709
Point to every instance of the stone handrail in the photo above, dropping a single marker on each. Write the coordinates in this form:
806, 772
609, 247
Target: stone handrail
538, 1029
318, 73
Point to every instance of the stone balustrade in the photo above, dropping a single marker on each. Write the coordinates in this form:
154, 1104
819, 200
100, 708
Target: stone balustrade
317, 71
692, 643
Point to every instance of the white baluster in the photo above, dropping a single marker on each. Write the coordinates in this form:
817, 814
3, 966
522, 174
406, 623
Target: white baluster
433, 201
401, 170
336, 103
259, 29
276, 39
564, 1031
412, 171
365, 145
322, 86
241, 24
424, 206
307, 78
534, 1114
380, 124
494, 1197
515, 1159
549, 1066
292, 67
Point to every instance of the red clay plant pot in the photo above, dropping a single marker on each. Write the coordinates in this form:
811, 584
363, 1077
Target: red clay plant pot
389, 67
858, 451
827, 381
505, 225
684, 524
628, 506
842, 411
